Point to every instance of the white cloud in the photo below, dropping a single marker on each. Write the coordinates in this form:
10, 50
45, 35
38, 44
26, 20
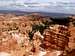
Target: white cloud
42, 5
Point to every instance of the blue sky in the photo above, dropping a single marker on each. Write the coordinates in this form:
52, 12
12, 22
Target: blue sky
60, 6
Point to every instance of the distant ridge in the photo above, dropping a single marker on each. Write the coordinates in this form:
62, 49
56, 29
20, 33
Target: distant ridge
41, 13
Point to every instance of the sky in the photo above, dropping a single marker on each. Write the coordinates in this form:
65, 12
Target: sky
59, 6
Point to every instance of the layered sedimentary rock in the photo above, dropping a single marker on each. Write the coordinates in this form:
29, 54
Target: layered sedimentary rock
56, 37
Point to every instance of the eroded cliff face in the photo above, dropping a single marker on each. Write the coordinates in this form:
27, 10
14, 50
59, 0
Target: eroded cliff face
34, 35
